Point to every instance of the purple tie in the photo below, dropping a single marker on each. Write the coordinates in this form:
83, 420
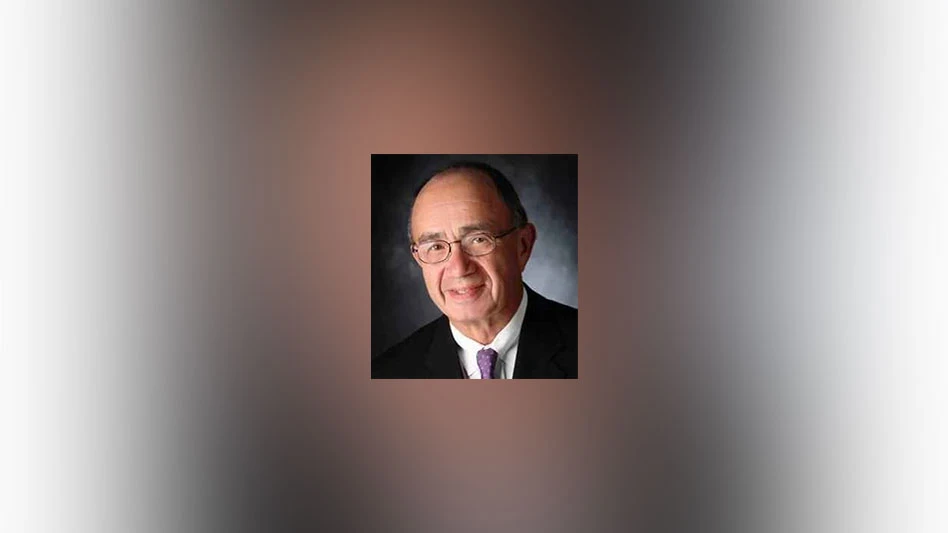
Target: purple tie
485, 361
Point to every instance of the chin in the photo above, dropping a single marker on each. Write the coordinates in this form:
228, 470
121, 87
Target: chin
468, 313
465, 314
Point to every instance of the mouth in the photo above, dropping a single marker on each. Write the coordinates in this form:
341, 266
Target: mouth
465, 294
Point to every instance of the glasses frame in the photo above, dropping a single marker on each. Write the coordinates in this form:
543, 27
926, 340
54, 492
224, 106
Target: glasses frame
414, 246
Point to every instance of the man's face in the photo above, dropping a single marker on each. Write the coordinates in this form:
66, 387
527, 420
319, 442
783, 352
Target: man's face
467, 289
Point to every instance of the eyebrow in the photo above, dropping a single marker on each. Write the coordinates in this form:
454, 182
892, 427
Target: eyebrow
462, 231
431, 236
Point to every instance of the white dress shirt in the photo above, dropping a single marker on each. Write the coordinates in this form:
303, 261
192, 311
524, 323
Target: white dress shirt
505, 344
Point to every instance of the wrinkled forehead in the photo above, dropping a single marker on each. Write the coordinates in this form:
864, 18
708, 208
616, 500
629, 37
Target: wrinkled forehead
463, 194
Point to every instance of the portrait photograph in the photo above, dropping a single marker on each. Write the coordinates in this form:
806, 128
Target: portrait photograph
474, 266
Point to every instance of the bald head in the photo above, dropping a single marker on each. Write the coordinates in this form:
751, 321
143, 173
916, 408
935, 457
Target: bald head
482, 181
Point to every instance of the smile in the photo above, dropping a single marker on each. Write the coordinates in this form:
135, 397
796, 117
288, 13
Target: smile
462, 294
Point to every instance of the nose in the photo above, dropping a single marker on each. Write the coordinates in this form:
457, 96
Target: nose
459, 264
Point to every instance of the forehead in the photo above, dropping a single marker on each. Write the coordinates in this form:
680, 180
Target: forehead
457, 198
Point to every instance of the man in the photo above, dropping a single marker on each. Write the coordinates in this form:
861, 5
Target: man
471, 238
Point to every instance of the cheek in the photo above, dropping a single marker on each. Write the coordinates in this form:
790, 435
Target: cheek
497, 272
433, 281
506, 272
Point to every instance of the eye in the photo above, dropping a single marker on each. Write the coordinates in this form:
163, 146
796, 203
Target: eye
435, 247
479, 239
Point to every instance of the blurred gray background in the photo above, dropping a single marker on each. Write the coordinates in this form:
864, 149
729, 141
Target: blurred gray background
764, 299
547, 185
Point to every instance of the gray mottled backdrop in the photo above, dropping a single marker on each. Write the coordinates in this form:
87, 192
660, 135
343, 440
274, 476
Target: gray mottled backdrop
547, 185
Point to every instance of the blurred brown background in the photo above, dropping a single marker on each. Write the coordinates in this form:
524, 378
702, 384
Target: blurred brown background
666, 428
185, 318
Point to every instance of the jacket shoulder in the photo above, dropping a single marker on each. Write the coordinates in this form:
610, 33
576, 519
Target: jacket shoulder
554, 324
407, 358
562, 315
568, 319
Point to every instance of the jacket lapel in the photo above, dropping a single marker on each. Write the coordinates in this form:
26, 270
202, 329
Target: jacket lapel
442, 357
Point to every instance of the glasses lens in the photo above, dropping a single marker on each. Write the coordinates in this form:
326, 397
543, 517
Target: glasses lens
433, 251
478, 244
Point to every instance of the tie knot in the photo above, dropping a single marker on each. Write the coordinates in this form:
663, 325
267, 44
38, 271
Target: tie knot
486, 359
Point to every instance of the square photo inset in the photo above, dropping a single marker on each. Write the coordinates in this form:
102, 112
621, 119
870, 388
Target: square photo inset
474, 266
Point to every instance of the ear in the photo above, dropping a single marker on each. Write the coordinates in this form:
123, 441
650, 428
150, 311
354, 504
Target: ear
527, 236
415, 257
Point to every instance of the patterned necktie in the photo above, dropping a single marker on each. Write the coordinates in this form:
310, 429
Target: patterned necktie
485, 361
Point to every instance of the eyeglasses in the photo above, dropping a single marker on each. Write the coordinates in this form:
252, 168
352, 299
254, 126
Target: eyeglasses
472, 244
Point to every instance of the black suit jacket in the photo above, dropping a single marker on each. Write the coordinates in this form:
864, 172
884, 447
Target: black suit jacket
547, 347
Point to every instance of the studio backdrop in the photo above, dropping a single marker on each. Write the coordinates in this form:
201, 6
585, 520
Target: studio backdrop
547, 185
